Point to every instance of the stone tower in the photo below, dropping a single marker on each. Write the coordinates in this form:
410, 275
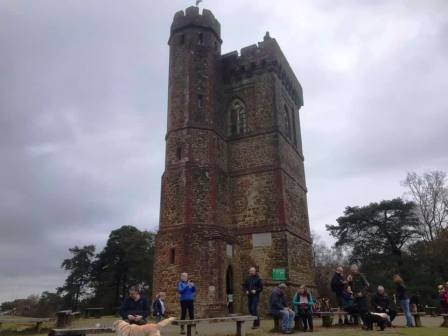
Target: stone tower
233, 191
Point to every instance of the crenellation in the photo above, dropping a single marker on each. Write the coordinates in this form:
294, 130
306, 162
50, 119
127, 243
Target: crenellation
193, 18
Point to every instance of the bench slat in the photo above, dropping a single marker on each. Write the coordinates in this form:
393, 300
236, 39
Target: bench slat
80, 331
216, 320
25, 321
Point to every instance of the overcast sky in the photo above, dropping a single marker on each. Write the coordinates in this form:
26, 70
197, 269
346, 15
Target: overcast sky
83, 100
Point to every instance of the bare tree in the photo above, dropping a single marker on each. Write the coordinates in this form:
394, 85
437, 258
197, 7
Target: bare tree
430, 192
326, 259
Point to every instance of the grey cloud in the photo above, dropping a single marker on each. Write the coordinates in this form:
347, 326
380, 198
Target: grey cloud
83, 112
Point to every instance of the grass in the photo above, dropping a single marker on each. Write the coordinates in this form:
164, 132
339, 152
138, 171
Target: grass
224, 329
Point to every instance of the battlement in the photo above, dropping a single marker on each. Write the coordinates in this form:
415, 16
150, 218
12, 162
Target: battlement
191, 17
266, 56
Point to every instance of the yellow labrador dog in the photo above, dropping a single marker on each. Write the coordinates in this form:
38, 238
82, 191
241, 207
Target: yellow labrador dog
123, 328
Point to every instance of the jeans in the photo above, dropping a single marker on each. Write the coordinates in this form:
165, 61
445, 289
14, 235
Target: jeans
287, 316
407, 312
252, 301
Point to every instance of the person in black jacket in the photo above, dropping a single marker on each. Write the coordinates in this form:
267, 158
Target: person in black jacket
338, 284
159, 307
253, 287
381, 303
135, 308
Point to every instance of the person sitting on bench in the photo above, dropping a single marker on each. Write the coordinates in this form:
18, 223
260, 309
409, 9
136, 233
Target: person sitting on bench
279, 308
135, 308
303, 303
381, 304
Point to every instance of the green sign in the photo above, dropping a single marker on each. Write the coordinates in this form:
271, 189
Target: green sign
278, 274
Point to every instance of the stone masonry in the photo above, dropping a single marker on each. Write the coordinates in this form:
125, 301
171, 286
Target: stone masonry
233, 191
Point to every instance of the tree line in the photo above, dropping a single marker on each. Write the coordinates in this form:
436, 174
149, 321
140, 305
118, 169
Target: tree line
97, 279
407, 236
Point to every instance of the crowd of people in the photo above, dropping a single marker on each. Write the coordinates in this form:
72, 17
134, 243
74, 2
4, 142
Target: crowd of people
351, 295
350, 290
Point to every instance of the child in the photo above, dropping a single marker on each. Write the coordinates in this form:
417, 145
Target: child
159, 307
303, 304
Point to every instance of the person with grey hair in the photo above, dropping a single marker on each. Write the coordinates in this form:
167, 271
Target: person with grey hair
381, 303
279, 307
359, 286
187, 294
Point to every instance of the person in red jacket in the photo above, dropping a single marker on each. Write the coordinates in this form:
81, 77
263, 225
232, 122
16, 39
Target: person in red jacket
443, 294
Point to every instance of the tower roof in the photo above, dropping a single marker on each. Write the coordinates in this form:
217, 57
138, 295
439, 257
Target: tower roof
191, 17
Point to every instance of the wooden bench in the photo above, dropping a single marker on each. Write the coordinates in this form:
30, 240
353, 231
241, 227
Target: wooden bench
445, 320
37, 322
416, 316
417, 319
80, 331
327, 319
93, 312
240, 320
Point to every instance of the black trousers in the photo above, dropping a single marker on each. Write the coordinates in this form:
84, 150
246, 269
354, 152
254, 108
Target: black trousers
184, 306
307, 319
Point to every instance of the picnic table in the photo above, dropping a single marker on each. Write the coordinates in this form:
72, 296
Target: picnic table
65, 317
239, 320
25, 321
93, 312
431, 310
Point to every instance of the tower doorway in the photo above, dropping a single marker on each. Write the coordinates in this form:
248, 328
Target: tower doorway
229, 289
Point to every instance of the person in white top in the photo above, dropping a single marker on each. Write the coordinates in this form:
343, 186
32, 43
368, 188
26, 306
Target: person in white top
159, 307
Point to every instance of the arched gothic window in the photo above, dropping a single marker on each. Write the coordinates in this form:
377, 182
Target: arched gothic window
238, 117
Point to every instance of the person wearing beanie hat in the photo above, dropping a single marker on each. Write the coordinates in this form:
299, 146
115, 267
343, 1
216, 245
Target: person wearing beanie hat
278, 304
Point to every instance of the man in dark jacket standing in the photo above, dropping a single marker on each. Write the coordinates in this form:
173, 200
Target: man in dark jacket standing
135, 308
338, 285
253, 287
278, 306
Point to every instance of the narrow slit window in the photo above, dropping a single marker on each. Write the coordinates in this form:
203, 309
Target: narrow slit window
182, 38
173, 255
287, 122
179, 152
200, 101
201, 39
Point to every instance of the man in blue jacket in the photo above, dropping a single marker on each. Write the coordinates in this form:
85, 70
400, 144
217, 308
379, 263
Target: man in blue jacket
187, 293
135, 308
278, 305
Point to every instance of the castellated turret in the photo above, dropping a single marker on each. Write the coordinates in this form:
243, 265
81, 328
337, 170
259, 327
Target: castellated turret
233, 190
